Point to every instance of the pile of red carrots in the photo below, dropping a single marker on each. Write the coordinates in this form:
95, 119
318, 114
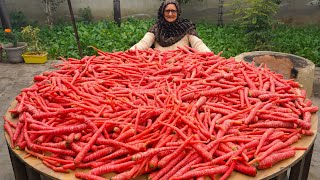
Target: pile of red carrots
172, 115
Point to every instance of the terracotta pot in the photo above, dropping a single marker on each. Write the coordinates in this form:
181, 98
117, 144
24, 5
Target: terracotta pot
14, 53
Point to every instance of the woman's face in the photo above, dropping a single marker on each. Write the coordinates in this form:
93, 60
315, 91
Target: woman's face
170, 13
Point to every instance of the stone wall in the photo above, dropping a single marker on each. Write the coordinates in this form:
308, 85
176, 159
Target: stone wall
291, 11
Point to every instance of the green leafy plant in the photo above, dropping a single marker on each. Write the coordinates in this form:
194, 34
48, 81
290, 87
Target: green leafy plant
10, 37
85, 14
231, 39
31, 36
257, 19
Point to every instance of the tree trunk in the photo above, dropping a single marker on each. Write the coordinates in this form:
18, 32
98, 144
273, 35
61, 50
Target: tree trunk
117, 11
47, 10
50, 22
220, 13
5, 21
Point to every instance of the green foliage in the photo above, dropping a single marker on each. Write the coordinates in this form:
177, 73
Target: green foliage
256, 17
10, 37
31, 36
85, 15
104, 35
229, 39
17, 19
107, 36
303, 41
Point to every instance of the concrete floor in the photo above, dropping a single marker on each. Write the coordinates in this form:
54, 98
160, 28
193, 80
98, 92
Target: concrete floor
14, 77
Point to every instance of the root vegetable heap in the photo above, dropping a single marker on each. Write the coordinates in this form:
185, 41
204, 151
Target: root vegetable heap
171, 115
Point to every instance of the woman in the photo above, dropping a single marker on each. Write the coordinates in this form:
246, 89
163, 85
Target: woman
171, 31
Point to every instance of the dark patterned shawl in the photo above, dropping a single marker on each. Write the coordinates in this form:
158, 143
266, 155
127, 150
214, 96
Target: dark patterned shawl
167, 33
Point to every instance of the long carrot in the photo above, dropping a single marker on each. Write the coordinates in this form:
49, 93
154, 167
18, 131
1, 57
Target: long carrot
229, 171
88, 176
248, 170
274, 158
110, 168
178, 151
82, 153
8, 129
263, 139
209, 171
63, 130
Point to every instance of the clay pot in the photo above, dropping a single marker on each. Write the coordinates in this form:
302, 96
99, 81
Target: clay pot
14, 53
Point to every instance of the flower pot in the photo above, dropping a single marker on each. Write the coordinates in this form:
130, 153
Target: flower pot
14, 53
35, 58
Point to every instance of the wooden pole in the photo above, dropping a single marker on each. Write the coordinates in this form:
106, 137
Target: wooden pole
117, 12
75, 28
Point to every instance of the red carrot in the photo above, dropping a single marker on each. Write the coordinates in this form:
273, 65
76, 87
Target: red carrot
239, 151
18, 130
268, 152
111, 168
116, 143
263, 139
154, 162
248, 170
9, 122
178, 151
311, 109
150, 152
248, 80
171, 164
8, 129
274, 158
215, 92
88, 176
253, 112
209, 171
127, 174
93, 139
63, 130
229, 171
98, 154
272, 124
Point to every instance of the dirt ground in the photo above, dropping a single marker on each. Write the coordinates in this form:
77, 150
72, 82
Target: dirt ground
14, 77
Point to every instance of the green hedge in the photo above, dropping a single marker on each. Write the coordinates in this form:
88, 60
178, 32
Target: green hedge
107, 36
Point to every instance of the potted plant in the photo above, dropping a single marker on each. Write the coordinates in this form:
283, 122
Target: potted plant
13, 48
34, 53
